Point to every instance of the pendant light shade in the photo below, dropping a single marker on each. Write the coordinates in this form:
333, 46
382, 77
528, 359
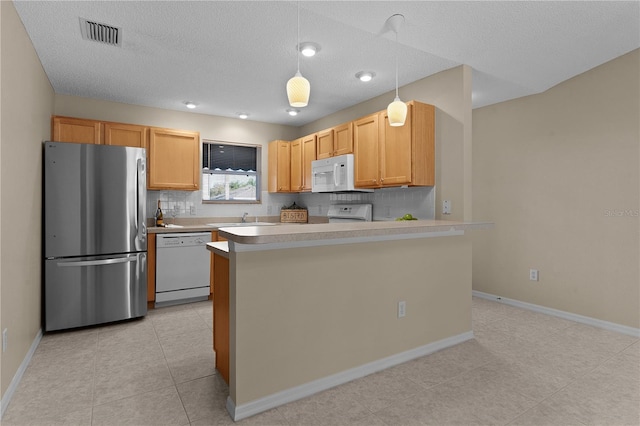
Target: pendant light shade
298, 90
397, 110
298, 87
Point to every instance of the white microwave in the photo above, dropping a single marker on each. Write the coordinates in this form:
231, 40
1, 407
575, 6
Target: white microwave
335, 174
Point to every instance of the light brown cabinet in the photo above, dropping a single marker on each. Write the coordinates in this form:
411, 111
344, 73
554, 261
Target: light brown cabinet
221, 315
325, 144
77, 130
214, 237
343, 139
126, 135
173, 156
174, 159
308, 155
335, 141
295, 152
279, 166
366, 147
395, 156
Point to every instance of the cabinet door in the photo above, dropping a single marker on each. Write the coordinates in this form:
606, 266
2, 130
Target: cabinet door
308, 155
395, 151
325, 144
296, 165
174, 159
365, 144
125, 135
343, 139
279, 166
424, 135
78, 130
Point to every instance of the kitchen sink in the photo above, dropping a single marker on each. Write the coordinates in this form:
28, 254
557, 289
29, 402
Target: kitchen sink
171, 225
236, 224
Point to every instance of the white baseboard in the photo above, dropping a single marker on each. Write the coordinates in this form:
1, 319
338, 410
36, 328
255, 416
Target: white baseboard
6, 398
289, 395
611, 326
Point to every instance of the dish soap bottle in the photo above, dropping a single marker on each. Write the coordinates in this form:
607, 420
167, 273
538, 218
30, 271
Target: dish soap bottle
159, 216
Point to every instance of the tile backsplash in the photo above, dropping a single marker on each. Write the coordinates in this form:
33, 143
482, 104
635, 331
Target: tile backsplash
388, 203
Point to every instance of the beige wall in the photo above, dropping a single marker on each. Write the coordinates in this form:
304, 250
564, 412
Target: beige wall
295, 319
558, 174
450, 92
26, 104
210, 126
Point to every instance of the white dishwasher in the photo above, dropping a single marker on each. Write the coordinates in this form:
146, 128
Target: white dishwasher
182, 267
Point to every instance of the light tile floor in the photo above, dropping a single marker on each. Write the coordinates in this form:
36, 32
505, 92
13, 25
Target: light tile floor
522, 368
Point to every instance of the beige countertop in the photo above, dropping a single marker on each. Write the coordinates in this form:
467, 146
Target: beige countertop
326, 233
213, 224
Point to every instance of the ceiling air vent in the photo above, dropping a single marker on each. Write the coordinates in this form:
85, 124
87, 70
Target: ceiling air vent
102, 33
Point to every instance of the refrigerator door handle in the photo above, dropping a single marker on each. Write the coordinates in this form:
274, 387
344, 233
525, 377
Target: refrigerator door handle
140, 199
96, 262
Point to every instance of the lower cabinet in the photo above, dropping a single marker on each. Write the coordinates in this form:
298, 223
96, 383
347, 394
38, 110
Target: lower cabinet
221, 315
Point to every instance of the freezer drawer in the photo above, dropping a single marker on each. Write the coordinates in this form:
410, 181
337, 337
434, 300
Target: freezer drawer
94, 290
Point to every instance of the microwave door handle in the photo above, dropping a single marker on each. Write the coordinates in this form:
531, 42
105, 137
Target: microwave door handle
336, 178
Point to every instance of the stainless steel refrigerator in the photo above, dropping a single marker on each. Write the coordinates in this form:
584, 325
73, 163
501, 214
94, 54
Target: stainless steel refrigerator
95, 236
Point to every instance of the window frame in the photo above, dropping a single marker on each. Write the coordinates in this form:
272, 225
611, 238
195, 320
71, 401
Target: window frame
258, 171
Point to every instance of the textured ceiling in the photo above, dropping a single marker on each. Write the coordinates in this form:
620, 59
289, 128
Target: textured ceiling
236, 56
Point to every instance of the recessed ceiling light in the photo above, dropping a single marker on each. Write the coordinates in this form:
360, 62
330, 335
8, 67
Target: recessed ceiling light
293, 112
190, 105
309, 48
243, 115
365, 75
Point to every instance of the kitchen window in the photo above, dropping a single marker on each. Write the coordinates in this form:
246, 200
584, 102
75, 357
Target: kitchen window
230, 172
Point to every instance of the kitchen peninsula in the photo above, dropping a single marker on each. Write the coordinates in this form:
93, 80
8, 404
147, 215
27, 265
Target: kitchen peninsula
314, 306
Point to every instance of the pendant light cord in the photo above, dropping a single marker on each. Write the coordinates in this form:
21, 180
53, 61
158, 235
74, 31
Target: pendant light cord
298, 36
396, 63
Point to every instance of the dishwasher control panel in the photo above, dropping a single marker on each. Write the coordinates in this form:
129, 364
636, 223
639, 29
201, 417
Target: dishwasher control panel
183, 239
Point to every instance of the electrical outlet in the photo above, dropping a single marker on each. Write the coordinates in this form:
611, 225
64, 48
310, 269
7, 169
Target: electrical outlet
446, 207
533, 274
4, 339
192, 210
387, 211
402, 309
268, 209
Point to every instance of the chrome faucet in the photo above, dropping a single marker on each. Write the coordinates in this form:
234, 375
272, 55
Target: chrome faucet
244, 217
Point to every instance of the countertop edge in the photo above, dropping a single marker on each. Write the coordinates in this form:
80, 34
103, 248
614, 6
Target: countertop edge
284, 234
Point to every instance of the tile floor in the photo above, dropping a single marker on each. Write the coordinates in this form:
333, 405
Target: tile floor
522, 368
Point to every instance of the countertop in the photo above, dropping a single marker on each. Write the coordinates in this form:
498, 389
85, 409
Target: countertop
327, 233
202, 224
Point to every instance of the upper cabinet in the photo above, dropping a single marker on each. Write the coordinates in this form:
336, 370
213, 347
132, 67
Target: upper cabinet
173, 156
343, 139
296, 165
174, 159
366, 147
77, 130
335, 141
126, 135
308, 155
395, 156
279, 166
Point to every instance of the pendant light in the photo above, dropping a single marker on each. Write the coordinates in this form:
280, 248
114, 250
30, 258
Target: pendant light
397, 110
298, 87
